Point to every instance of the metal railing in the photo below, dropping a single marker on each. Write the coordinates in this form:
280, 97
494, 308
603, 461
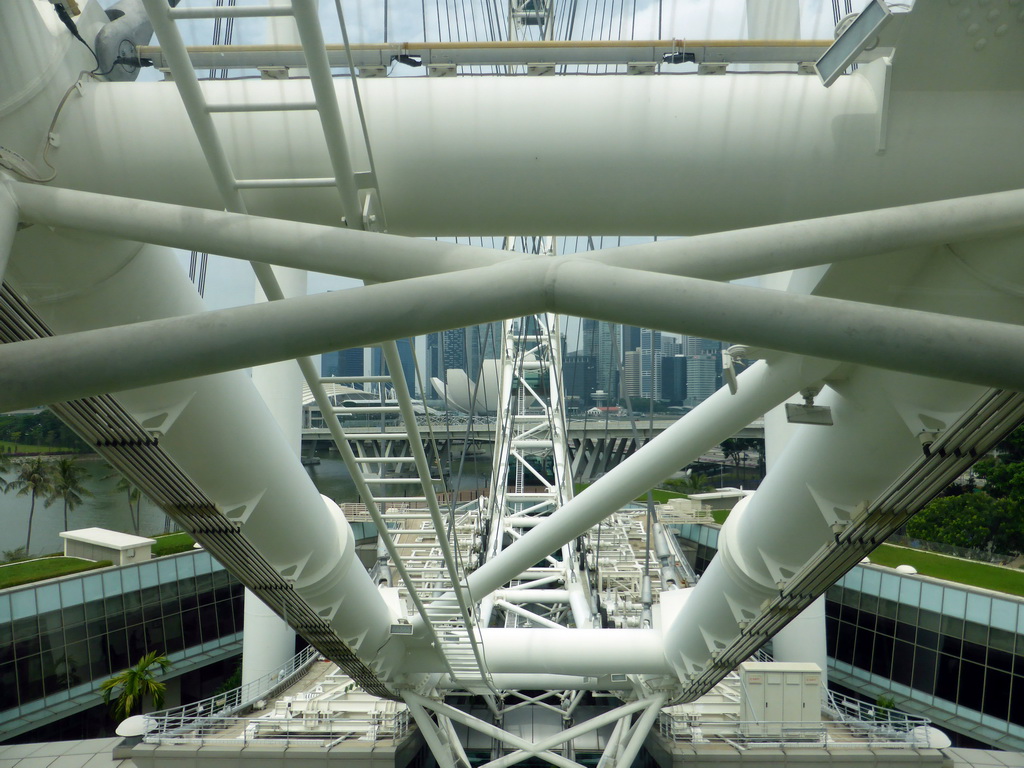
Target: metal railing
313, 728
853, 734
846, 709
225, 704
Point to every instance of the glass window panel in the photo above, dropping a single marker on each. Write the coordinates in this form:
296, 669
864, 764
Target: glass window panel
112, 582
71, 592
150, 595
26, 637
115, 621
77, 658
117, 649
1004, 615
55, 673
1001, 640
853, 579
189, 603
99, 661
910, 592
186, 567
845, 643
137, 642
890, 589
208, 622
168, 590
74, 633
151, 612
947, 678
952, 626
927, 639
132, 600
906, 631
96, 627
881, 663
931, 597
113, 604
48, 598
6, 642
1017, 700
972, 678
148, 576
133, 617
884, 626
30, 678
74, 615
94, 610
903, 663
954, 602
8, 686
204, 582
997, 694
5, 609
951, 645
928, 620
976, 633
167, 570
979, 608
92, 587
190, 628
23, 604
887, 608
872, 581
862, 651
973, 652
130, 581
868, 604
831, 609
924, 669
1000, 660
172, 633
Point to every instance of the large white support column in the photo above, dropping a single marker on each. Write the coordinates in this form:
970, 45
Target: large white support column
803, 639
268, 641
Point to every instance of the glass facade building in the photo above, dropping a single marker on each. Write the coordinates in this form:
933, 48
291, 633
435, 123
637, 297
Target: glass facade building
61, 638
947, 651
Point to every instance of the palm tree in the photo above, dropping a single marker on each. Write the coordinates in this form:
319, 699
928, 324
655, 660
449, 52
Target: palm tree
133, 494
34, 479
67, 485
136, 684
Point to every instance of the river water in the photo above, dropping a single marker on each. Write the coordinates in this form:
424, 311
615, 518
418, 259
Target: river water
108, 508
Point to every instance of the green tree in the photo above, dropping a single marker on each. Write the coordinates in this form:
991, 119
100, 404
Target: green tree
34, 479
133, 495
68, 477
690, 484
131, 687
963, 521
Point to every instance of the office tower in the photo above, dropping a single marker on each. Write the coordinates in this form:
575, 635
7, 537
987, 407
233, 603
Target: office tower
650, 363
579, 380
701, 378
631, 374
673, 379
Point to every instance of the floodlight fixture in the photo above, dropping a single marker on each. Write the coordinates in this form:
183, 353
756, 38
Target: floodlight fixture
861, 35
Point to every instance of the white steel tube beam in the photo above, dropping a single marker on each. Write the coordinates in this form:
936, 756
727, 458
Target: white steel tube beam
592, 652
373, 257
924, 343
793, 245
379, 257
639, 731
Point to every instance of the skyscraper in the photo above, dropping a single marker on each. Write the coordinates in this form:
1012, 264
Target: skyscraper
405, 354
673, 379
598, 338
701, 378
483, 342
650, 363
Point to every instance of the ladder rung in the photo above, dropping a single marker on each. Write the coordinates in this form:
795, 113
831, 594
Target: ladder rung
377, 435
262, 106
285, 183
396, 480
384, 459
367, 409
230, 11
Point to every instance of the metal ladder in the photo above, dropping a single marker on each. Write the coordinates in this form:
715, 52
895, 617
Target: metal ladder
356, 215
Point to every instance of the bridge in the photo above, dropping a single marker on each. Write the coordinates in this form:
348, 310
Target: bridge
595, 445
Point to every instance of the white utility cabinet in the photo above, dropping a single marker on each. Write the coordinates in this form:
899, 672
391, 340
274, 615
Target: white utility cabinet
780, 694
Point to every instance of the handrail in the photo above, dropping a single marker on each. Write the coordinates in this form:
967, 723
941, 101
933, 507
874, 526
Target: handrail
239, 698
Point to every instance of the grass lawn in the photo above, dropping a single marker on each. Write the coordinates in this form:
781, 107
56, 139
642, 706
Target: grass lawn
47, 568
981, 575
172, 544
